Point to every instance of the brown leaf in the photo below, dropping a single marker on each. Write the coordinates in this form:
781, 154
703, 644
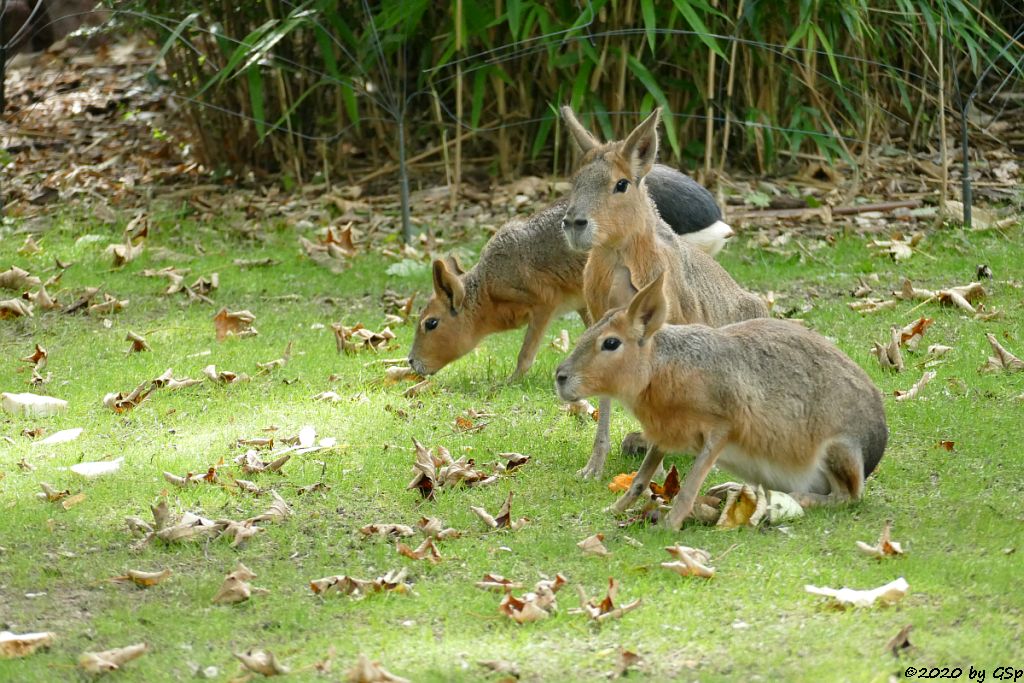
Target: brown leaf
503, 520
885, 547
14, 308
900, 643
37, 358
276, 363
670, 488
18, 280
605, 609
497, 582
72, 501
689, 561
144, 579
621, 482
911, 334
387, 530
110, 660
913, 391
236, 587
120, 402
50, 494
261, 662
110, 304
277, 511
352, 339
21, 645
365, 671
393, 581
593, 545
561, 342
139, 343
426, 550
889, 356
1003, 361
233, 323
224, 376
535, 605
948, 445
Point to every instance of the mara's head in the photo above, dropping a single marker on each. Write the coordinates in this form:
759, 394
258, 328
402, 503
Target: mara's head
607, 190
445, 330
613, 357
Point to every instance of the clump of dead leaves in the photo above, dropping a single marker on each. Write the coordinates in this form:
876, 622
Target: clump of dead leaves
121, 402
234, 324
352, 339
438, 469
535, 605
170, 528
394, 582
605, 609
236, 587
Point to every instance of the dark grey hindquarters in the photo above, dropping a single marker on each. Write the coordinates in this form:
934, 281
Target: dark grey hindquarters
874, 445
682, 202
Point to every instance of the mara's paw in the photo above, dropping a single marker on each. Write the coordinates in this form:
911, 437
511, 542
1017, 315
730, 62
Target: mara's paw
591, 471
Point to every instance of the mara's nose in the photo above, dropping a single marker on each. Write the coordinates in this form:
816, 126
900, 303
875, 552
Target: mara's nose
561, 377
573, 223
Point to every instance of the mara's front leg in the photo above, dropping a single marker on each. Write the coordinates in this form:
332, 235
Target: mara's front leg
602, 442
539, 319
682, 506
650, 465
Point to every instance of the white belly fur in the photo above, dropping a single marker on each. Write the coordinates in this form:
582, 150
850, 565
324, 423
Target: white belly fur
759, 470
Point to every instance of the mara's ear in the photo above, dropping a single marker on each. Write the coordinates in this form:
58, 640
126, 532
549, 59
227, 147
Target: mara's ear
648, 309
448, 286
583, 138
641, 147
452, 261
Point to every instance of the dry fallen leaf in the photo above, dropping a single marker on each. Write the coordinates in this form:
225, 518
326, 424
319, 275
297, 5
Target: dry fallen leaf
261, 662
366, 671
15, 308
277, 362
605, 609
110, 660
393, 581
593, 545
139, 343
535, 605
426, 550
913, 391
561, 342
884, 547
900, 642
121, 402
21, 645
234, 323
581, 408
352, 339
621, 482
236, 587
871, 305
38, 358
1003, 361
503, 520
387, 530
144, 579
668, 490
889, 356
890, 593
50, 494
689, 561
912, 333
18, 280
498, 583
224, 376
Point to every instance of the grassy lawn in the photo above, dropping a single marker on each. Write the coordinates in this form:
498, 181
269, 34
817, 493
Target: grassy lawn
959, 514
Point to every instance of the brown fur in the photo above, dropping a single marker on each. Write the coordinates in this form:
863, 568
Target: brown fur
767, 399
629, 246
525, 275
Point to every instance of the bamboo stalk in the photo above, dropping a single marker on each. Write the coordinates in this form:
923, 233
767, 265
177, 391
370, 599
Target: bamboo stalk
453, 195
943, 150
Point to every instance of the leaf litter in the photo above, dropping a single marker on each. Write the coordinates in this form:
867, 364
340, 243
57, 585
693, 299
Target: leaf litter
604, 609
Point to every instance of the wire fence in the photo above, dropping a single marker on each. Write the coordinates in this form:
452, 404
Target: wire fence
386, 95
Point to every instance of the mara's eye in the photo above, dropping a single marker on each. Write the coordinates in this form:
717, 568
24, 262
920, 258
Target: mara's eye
610, 344
621, 185
431, 324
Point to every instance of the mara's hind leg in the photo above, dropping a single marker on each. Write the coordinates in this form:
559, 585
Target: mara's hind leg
650, 465
844, 471
682, 506
531, 342
602, 442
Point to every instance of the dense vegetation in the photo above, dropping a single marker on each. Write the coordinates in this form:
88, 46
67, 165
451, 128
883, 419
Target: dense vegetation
307, 87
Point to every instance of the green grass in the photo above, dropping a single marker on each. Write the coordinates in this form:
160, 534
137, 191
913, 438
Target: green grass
955, 512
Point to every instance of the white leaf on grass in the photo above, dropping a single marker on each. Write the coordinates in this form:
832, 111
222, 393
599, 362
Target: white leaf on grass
63, 436
890, 593
97, 469
33, 405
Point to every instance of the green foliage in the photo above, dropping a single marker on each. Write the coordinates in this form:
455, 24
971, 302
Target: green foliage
272, 81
